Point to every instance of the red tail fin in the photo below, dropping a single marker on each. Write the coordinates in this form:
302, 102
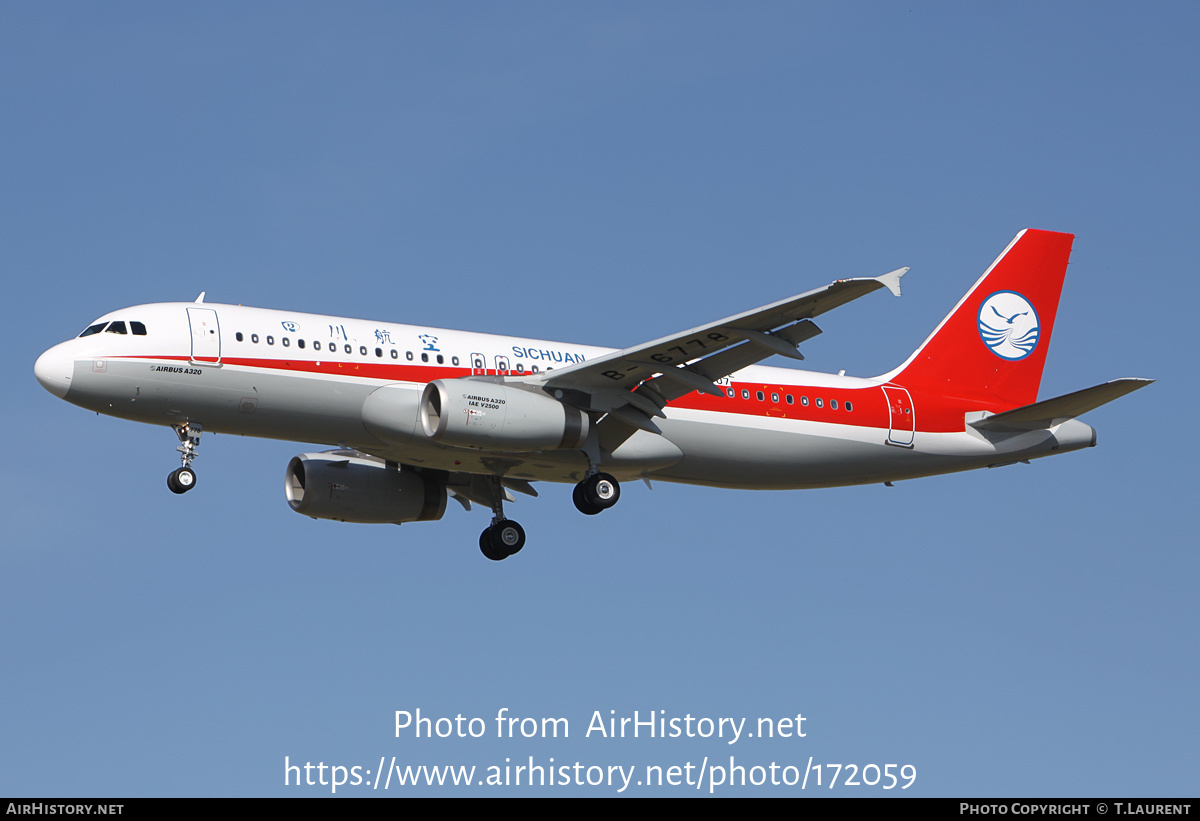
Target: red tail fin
993, 344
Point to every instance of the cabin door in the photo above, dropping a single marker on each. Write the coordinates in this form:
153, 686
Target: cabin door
900, 411
206, 336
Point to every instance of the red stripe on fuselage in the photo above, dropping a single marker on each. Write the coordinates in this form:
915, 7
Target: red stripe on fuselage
932, 414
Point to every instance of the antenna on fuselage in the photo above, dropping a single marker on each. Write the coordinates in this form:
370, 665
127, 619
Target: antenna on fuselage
201, 297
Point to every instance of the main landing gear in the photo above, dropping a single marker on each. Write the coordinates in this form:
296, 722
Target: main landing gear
183, 479
504, 537
598, 492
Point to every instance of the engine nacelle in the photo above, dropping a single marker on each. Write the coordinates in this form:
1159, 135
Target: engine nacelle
391, 413
348, 487
472, 414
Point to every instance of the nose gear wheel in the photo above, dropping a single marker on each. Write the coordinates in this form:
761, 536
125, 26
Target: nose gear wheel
181, 480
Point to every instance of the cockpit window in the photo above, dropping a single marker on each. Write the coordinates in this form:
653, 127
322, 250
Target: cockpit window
118, 327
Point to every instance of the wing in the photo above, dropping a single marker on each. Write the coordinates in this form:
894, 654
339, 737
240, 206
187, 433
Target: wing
634, 384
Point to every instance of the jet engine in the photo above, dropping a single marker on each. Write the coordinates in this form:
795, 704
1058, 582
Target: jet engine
486, 415
390, 413
347, 486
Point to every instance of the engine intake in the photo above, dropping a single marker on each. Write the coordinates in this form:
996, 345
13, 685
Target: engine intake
349, 487
489, 416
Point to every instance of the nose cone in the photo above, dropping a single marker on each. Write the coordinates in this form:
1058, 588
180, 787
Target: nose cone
54, 369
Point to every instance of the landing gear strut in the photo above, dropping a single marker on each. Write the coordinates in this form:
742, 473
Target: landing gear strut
596, 493
183, 479
504, 537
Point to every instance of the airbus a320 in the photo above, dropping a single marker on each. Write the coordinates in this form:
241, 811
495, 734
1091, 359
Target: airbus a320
423, 415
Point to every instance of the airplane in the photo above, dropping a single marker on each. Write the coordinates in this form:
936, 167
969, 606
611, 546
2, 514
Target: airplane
422, 415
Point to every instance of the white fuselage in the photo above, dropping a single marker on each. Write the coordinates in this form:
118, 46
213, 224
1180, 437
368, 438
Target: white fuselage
305, 377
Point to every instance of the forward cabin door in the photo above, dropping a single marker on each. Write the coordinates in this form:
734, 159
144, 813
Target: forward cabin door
206, 336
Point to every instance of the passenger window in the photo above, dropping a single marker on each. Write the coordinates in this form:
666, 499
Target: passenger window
775, 398
254, 338
362, 350
454, 361
424, 357
804, 401
316, 345
408, 355
395, 354
760, 396
300, 342
116, 328
286, 341
93, 329
270, 339
239, 336
349, 349
745, 393
820, 403
790, 400
849, 407
379, 352
441, 360
139, 329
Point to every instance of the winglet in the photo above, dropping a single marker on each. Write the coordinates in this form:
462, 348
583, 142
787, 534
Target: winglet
891, 280
200, 298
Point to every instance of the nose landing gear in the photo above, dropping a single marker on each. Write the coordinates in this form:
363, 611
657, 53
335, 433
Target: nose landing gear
183, 479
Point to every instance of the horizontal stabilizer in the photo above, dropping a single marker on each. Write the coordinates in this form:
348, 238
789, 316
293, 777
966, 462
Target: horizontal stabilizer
1051, 412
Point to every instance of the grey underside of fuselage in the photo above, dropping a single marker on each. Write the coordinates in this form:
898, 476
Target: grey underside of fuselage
328, 411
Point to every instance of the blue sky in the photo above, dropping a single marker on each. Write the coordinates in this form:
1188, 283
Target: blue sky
604, 174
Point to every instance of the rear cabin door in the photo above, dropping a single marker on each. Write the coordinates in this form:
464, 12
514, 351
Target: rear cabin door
900, 411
